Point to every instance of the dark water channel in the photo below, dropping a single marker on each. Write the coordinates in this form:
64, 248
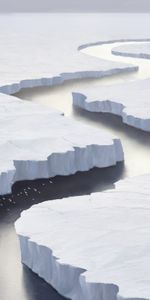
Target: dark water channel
16, 281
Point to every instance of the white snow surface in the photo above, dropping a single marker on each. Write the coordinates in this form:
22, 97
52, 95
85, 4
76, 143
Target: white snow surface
130, 100
93, 247
37, 142
133, 50
42, 49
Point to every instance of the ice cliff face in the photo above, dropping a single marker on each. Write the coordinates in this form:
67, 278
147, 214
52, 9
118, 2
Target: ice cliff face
112, 229
130, 100
133, 50
25, 64
93, 247
42, 49
36, 142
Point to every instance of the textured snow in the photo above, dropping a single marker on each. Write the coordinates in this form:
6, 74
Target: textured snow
129, 100
133, 50
42, 49
32, 55
93, 247
36, 142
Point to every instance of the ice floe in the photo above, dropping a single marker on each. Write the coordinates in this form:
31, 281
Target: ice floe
32, 55
129, 100
139, 50
37, 142
43, 49
93, 247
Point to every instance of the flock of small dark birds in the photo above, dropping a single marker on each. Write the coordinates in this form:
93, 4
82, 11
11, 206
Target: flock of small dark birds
23, 191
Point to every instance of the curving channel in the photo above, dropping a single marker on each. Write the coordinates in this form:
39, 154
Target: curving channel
135, 142
20, 283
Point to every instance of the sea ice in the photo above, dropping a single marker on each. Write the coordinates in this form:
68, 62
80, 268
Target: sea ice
93, 247
37, 142
139, 50
43, 49
130, 100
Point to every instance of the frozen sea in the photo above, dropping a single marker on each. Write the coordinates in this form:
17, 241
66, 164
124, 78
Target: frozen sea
16, 281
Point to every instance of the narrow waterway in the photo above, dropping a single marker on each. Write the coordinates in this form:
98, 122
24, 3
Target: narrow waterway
135, 142
17, 282
105, 52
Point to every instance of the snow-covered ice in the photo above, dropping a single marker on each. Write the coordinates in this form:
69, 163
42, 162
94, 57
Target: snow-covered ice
32, 55
37, 142
130, 100
93, 247
42, 49
139, 50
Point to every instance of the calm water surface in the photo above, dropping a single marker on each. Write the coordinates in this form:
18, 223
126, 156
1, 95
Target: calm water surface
17, 282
